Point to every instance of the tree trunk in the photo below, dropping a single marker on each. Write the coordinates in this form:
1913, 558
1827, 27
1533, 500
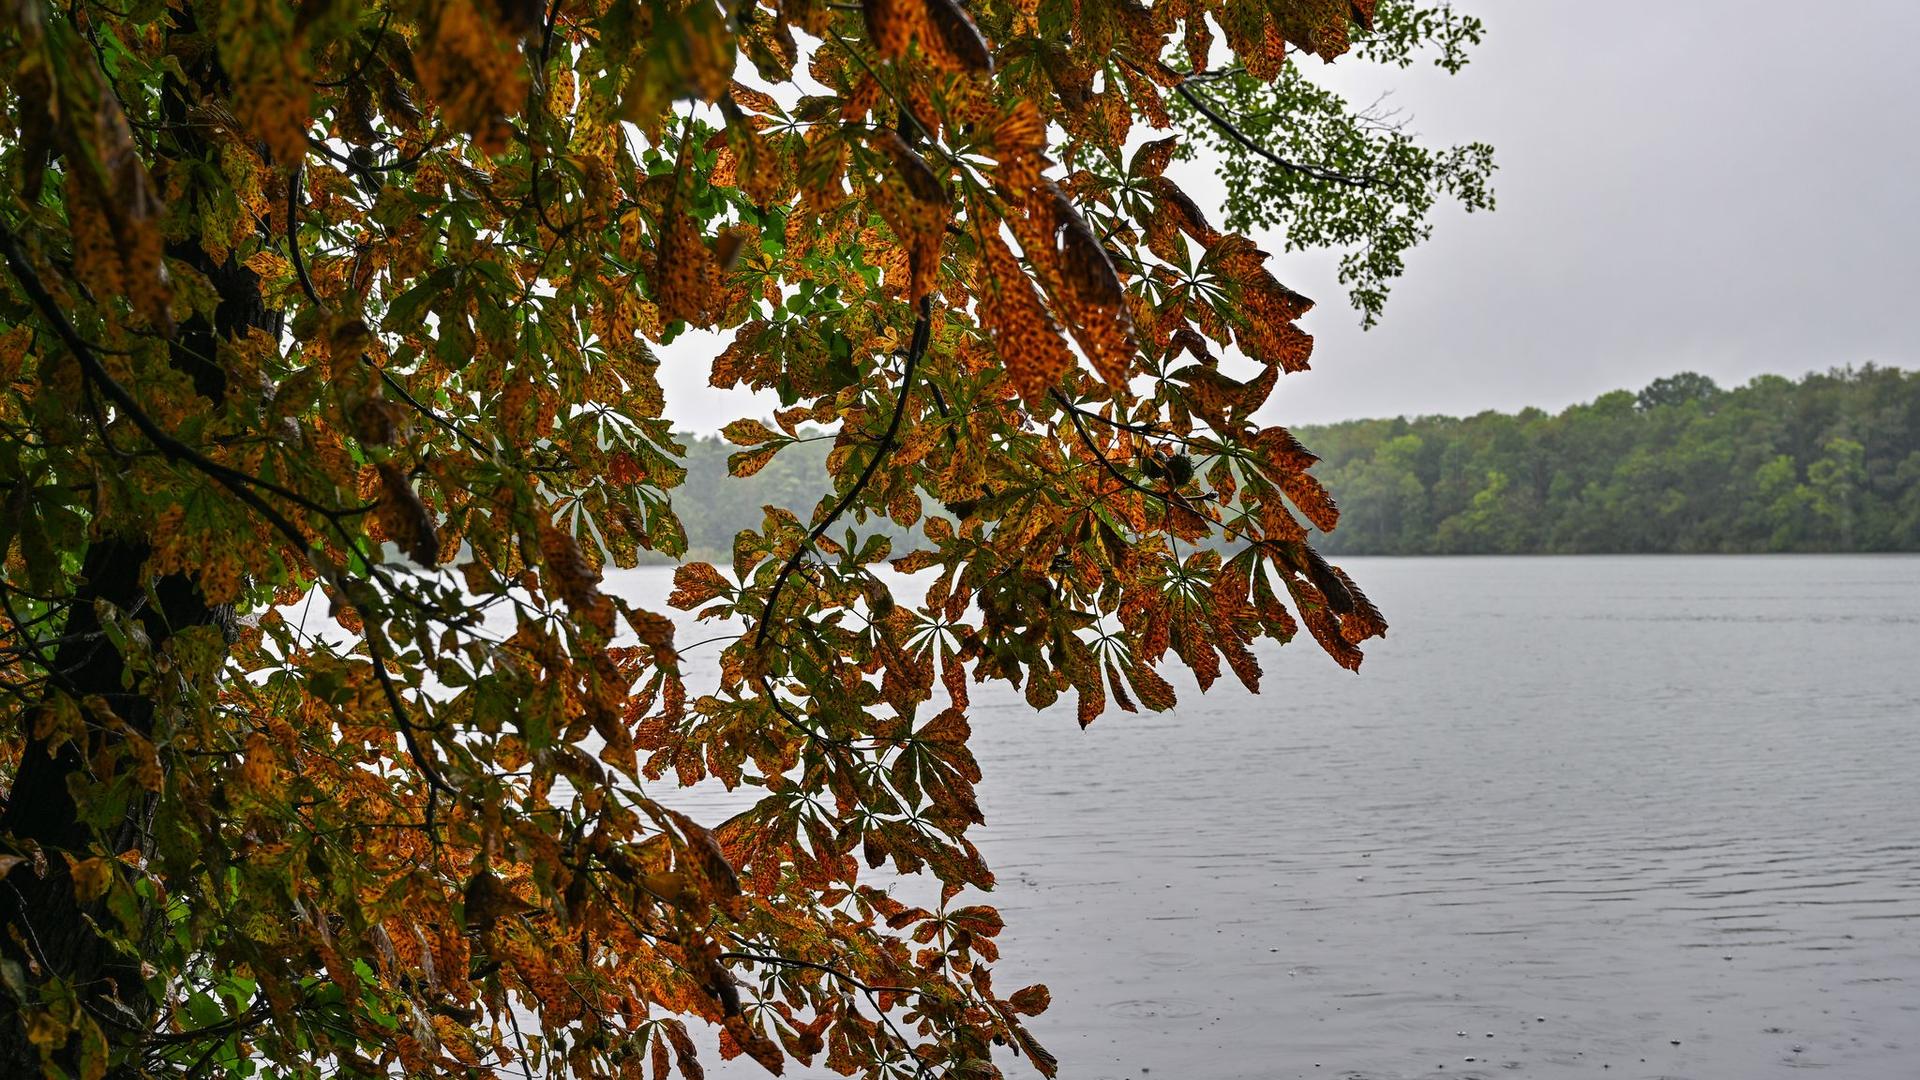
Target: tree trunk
46, 931
60, 936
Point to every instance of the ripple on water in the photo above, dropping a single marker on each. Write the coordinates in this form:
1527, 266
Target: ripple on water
1666, 803
1156, 1009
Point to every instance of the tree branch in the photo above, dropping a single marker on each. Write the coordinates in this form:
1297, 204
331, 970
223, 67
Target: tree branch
872, 993
1073, 414
922, 326
1211, 111
784, 961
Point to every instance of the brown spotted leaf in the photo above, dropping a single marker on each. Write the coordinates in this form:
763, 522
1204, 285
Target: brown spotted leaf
405, 518
956, 44
696, 583
1023, 332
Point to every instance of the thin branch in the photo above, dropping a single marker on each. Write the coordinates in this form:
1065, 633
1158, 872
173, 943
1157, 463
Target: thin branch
369, 168
922, 327
33, 645
546, 33
783, 961
1211, 111
872, 994
1215, 75
428, 411
780, 709
1073, 414
379, 38
293, 235
377, 654
1284, 552
1147, 430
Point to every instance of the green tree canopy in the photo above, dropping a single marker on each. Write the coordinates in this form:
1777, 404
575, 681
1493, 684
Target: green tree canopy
1829, 463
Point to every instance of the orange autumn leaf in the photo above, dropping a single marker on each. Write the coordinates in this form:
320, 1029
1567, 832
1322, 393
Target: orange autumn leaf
1024, 333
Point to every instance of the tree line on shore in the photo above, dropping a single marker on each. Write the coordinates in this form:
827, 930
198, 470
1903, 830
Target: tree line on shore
1830, 462
1827, 463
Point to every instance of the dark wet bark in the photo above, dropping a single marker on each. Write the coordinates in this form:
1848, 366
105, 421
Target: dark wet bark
43, 928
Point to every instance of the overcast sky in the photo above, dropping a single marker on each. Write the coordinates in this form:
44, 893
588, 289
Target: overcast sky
1723, 186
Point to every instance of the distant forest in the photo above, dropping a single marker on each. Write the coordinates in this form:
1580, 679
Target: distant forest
1828, 463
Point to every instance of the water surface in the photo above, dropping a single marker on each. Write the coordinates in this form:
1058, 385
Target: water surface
1627, 817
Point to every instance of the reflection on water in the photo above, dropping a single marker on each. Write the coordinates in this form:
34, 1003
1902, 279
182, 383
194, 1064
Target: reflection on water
1637, 817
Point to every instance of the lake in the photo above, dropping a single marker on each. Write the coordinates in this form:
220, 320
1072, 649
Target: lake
1578, 817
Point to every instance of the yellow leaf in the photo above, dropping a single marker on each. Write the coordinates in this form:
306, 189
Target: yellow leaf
91, 878
44, 1031
748, 432
666, 884
257, 766
747, 462
146, 763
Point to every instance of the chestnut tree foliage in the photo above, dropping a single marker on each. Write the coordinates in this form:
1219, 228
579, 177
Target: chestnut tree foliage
355, 304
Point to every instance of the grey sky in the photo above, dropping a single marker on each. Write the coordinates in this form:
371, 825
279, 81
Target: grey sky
1725, 186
